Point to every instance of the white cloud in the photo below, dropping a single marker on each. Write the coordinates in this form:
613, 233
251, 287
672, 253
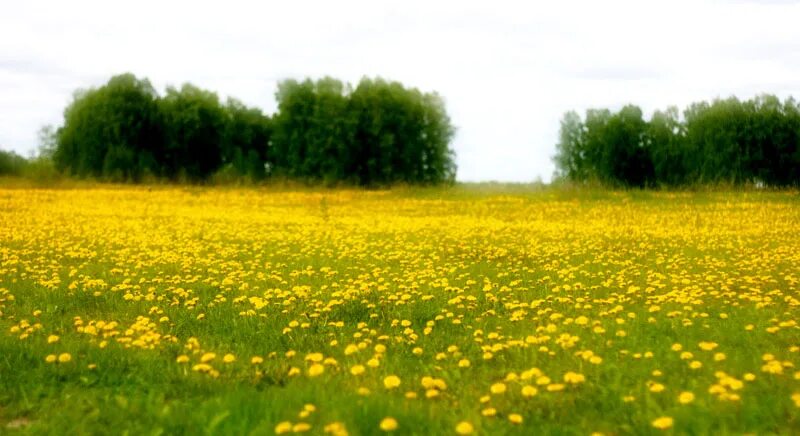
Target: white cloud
508, 70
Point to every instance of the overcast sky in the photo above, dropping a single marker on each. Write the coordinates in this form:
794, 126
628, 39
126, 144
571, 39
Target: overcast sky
507, 70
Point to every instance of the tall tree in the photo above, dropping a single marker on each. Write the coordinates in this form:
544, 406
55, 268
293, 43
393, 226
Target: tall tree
195, 123
245, 139
113, 131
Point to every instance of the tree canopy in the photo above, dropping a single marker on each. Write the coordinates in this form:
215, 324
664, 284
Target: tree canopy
726, 141
113, 131
378, 133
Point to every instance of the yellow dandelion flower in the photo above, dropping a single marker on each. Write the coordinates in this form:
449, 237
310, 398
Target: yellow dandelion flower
498, 388
707, 346
315, 370
464, 428
388, 424
685, 397
663, 422
283, 427
574, 378
391, 381
301, 427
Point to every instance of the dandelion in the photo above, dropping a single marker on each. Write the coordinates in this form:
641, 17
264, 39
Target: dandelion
663, 422
301, 427
498, 388
391, 382
574, 378
685, 397
388, 424
315, 370
707, 346
283, 427
464, 428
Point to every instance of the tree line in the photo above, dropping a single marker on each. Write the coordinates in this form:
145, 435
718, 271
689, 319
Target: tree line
728, 141
377, 133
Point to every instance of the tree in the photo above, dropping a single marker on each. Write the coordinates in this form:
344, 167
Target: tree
48, 142
377, 134
245, 139
730, 141
666, 139
114, 131
400, 134
625, 158
194, 121
570, 158
11, 164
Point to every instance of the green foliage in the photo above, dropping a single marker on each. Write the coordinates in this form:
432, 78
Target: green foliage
195, 123
245, 140
11, 164
377, 134
725, 141
313, 133
113, 131
324, 131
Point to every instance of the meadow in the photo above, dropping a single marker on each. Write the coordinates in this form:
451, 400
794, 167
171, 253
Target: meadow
468, 310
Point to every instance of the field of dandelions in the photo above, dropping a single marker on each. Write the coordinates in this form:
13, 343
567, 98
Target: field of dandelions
170, 310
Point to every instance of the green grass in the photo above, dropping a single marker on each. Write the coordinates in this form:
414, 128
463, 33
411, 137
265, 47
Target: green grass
498, 269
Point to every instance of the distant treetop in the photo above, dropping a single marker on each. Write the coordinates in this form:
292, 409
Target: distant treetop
324, 131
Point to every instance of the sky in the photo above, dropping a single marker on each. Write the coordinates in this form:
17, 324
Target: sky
508, 70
